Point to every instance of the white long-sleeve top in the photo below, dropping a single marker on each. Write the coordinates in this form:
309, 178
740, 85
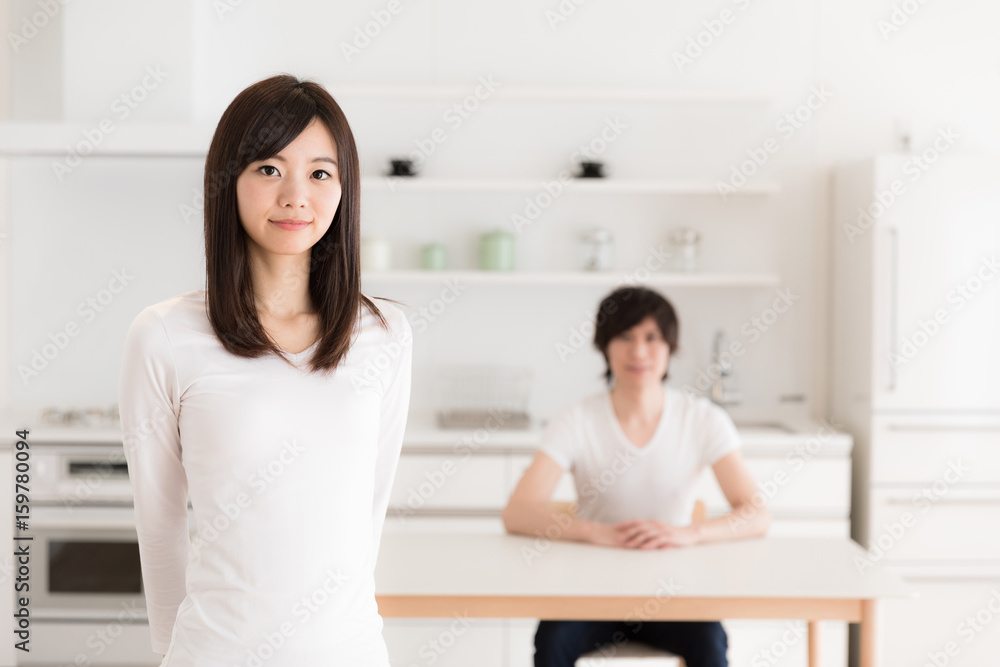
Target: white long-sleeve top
288, 474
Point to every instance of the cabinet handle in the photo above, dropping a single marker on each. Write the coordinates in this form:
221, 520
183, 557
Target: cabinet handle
943, 427
893, 304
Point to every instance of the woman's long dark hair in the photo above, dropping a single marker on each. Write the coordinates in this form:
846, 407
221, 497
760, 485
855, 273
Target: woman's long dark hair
258, 124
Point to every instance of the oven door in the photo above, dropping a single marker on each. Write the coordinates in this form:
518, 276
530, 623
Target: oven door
88, 563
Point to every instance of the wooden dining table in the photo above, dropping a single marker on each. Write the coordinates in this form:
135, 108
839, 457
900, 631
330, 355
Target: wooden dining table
438, 575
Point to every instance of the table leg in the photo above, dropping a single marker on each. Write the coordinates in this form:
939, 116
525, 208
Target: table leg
815, 645
871, 646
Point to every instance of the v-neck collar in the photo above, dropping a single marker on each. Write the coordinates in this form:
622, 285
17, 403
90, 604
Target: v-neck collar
617, 427
299, 355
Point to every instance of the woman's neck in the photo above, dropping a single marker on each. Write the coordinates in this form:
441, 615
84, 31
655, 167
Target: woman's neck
281, 286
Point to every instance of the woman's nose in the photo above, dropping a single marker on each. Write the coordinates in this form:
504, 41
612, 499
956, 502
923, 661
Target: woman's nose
292, 193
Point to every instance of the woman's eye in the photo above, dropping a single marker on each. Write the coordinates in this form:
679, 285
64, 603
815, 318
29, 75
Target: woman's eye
266, 166
320, 171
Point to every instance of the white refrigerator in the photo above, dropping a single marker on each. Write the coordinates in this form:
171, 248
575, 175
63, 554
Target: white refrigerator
916, 380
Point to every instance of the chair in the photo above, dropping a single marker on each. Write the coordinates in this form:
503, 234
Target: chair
635, 653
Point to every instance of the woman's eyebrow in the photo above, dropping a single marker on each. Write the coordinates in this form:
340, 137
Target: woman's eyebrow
322, 158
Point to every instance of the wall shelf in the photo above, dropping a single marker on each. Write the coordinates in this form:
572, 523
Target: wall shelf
603, 278
544, 93
589, 185
94, 138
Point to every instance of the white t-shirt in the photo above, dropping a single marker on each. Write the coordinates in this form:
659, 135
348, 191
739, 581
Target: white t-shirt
288, 473
617, 481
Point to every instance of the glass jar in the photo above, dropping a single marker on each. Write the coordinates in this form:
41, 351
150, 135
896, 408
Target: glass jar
684, 249
597, 249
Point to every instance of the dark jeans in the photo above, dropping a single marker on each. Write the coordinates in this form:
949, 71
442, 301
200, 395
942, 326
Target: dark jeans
700, 643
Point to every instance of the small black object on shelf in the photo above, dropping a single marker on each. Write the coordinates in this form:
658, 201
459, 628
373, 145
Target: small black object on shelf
591, 170
401, 168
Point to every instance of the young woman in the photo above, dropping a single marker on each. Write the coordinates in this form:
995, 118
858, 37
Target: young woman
276, 399
636, 453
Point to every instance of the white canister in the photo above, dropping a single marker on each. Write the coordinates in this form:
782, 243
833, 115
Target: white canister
596, 250
376, 254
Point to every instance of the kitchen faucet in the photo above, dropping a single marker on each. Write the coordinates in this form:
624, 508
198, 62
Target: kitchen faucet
719, 395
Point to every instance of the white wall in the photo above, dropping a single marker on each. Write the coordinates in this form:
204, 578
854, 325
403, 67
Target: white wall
936, 70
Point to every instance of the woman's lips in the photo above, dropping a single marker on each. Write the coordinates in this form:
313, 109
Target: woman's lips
290, 224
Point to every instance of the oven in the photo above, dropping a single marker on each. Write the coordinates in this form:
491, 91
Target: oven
87, 597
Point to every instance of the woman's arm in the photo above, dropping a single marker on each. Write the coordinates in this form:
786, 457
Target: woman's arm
746, 519
148, 403
392, 423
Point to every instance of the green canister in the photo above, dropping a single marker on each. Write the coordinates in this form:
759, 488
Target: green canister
433, 257
496, 251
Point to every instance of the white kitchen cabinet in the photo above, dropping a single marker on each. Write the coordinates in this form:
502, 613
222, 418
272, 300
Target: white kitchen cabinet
914, 524
457, 642
924, 449
916, 284
924, 282
953, 622
810, 498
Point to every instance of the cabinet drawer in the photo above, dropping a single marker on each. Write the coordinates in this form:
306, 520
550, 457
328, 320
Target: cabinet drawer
958, 525
455, 642
449, 480
908, 451
915, 629
821, 486
107, 642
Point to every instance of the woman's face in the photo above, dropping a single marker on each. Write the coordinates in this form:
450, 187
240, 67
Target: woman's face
639, 356
300, 186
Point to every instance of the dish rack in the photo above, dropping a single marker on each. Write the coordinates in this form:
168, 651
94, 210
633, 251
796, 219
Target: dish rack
477, 396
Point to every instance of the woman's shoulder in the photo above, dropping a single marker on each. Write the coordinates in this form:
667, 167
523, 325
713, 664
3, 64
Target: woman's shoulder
397, 327
186, 308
